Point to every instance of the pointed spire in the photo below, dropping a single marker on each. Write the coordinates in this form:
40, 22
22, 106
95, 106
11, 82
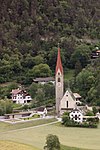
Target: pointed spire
59, 63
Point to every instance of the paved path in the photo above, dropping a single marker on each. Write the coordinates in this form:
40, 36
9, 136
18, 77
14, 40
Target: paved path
30, 127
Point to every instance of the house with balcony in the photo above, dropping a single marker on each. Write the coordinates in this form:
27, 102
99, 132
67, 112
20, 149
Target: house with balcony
20, 96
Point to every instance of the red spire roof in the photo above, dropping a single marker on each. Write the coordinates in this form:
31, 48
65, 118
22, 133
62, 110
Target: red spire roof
59, 64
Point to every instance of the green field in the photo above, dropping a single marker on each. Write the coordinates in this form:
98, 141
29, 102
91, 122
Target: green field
7, 126
68, 74
74, 137
8, 145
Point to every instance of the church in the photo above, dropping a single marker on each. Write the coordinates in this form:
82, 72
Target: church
69, 100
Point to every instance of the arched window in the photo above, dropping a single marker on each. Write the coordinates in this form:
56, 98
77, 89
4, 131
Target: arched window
67, 104
58, 79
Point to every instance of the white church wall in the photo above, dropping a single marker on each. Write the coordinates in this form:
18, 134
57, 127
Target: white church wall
67, 101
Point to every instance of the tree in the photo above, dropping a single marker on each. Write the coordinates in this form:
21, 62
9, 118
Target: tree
84, 81
66, 119
78, 67
49, 90
33, 89
6, 106
38, 60
40, 97
52, 142
95, 110
41, 70
82, 54
89, 113
28, 61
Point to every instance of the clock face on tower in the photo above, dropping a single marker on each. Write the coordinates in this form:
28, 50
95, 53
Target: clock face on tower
59, 84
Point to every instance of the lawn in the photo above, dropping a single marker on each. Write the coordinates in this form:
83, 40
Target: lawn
68, 74
8, 145
73, 137
7, 126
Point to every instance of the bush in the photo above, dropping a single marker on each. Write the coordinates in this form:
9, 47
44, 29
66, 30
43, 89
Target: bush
52, 142
89, 113
91, 122
94, 120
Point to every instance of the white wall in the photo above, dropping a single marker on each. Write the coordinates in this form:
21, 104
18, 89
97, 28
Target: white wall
76, 114
19, 98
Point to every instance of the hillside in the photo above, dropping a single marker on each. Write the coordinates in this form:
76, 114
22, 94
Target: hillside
30, 31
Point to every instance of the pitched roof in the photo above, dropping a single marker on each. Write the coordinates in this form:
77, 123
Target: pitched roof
16, 91
47, 79
76, 95
76, 109
71, 93
98, 51
40, 109
59, 63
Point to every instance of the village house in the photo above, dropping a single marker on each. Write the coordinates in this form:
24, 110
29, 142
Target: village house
20, 96
77, 98
17, 115
42, 111
95, 54
44, 80
76, 115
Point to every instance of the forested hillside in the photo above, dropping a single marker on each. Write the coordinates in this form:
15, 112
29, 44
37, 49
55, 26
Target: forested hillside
31, 29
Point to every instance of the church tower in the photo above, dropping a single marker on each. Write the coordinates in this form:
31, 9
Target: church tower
59, 82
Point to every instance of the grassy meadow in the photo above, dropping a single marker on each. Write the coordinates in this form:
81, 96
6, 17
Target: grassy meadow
7, 126
8, 145
68, 74
83, 138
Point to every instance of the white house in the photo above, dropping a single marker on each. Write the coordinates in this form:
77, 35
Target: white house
20, 96
98, 115
76, 115
42, 111
77, 98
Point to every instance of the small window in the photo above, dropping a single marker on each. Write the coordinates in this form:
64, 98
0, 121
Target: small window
58, 73
58, 79
75, 117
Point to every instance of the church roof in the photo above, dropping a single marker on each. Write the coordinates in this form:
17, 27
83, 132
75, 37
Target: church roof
59, 63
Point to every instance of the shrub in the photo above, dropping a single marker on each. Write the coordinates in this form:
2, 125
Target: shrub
52, 142
94, 120
91, 122
89, 113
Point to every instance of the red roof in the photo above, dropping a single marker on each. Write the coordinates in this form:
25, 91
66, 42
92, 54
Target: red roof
16, 91
98, 51
59, 63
